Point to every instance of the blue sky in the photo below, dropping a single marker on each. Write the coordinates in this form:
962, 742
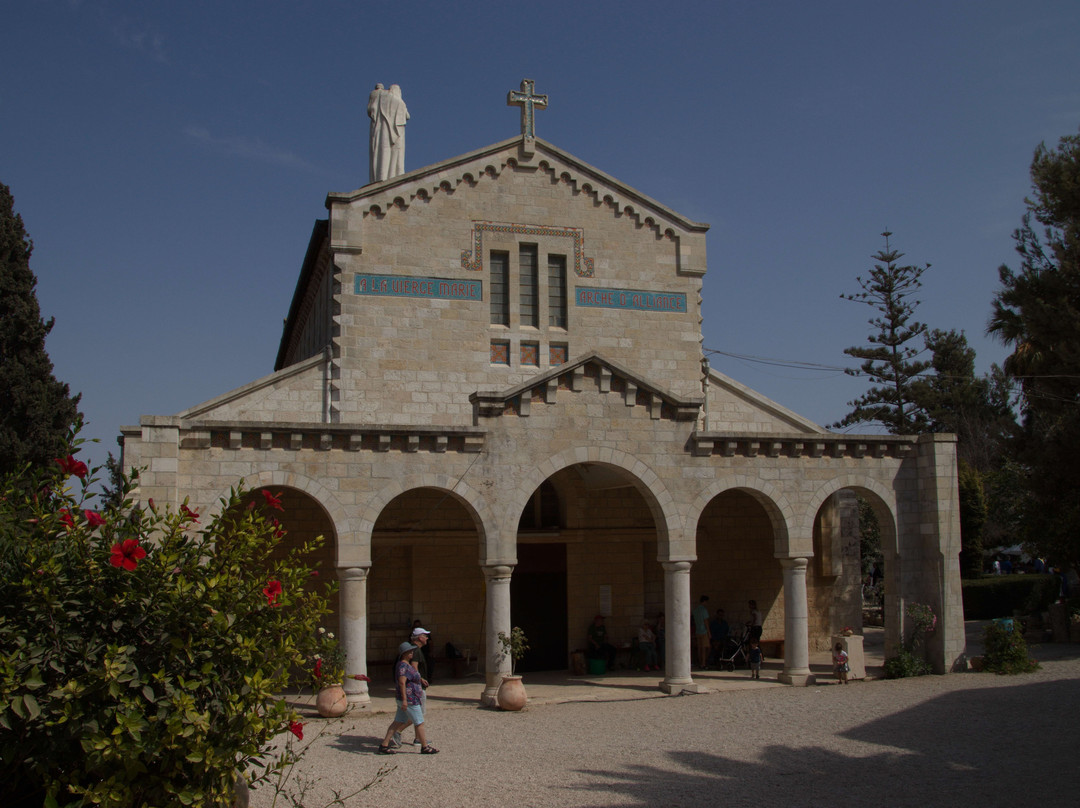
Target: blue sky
169, 159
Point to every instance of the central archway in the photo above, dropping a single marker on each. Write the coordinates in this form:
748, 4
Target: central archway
586, 545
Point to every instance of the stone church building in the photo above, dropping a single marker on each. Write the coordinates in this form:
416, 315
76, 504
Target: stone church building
491, 398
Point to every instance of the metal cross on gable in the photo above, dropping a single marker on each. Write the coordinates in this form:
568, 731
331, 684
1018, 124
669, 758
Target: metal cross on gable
528, 101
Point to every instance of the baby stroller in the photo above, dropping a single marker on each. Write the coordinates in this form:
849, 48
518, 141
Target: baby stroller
734, 650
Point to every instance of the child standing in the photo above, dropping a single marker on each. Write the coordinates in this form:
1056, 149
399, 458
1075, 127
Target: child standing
756, 656
840, 663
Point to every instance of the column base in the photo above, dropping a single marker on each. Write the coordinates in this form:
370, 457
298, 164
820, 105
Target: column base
676, 688
362, 699
489, 698
797, 678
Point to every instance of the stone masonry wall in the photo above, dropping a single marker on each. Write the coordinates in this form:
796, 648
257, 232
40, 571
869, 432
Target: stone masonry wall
428, 355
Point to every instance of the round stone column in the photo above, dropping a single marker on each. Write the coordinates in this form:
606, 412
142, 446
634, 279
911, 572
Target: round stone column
677, 649
497, 618
796, 624
353, 628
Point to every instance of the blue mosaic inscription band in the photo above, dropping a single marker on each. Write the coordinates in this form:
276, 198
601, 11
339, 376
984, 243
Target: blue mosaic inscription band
398, 286
630, 299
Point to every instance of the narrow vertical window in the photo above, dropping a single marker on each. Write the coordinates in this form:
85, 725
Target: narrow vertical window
530, 285
500, 283
557, 291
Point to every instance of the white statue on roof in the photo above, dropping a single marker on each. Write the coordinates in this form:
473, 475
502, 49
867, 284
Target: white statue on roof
388, 114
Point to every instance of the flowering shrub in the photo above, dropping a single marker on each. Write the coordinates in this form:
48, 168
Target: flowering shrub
329, 665
139, 653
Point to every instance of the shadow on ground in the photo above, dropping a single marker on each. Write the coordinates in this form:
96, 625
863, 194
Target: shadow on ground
970, 756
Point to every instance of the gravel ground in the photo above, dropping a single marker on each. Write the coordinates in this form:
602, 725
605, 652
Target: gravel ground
958, 740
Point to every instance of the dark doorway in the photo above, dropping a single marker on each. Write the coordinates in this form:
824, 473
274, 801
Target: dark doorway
538, 605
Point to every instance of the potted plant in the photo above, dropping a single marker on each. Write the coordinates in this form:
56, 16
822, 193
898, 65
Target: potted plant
511, 694
327, 675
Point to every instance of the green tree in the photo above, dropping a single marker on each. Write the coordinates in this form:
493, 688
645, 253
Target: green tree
973, 516
1037, 314
112, 490
36, 410
889, 361
869, 537
975, 408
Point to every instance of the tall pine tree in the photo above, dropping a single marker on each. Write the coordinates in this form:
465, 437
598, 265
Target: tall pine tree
1037, 313
36, 410
890, 359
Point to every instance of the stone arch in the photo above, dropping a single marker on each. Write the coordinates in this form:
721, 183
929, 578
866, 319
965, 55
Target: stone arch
885, 504
468, 497
769, 496
883, 500
740, 526
317, 513
289, 479
660, 502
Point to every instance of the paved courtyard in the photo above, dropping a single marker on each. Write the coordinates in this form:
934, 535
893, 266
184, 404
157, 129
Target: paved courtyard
964, 739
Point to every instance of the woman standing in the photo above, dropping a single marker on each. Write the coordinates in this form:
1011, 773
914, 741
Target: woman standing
409, 709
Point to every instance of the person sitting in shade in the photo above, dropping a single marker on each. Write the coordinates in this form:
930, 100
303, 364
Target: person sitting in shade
646, 641
599, 647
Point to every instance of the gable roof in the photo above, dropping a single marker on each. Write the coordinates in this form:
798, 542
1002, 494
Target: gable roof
630, 199
493, 403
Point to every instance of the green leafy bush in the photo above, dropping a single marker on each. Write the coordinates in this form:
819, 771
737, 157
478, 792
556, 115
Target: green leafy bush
911, 660
906, 664
1006, 650
140, 652
1004, 595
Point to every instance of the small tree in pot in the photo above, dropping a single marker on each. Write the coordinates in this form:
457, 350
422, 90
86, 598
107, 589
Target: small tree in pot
511, 695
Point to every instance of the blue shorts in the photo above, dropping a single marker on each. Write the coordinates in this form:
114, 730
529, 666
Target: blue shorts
412, 714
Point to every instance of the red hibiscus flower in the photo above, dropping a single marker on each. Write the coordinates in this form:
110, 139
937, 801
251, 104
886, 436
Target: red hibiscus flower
318, 669
126, 554
70, 466
66, 518
188, 514
272, 590
94, 519
360, 677
271, 500
297, 729
279, 531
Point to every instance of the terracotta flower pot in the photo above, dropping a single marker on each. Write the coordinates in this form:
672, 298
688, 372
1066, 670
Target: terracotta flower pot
331, 701
511, 694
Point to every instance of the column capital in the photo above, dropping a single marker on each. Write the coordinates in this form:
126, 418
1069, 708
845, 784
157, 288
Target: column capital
348, 574
676, 566
796, 563
495, 572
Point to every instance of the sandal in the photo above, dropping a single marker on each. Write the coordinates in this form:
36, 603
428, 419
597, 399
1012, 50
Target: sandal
428, 750
385, 750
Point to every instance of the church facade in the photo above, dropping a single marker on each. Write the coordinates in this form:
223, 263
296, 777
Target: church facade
491, 398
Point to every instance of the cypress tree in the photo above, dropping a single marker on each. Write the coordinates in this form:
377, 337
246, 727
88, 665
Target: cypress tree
36, 410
